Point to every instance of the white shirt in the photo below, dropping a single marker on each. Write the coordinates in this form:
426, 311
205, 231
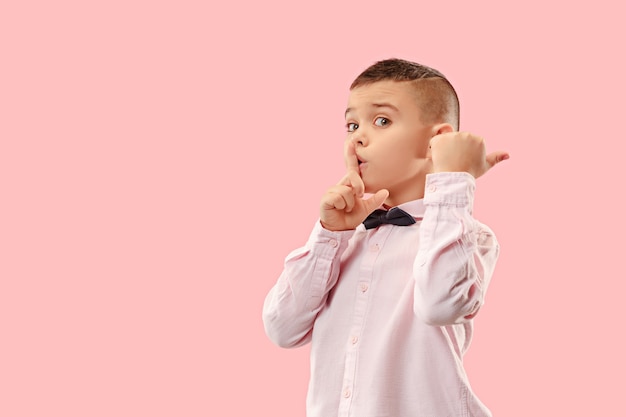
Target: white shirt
389, 310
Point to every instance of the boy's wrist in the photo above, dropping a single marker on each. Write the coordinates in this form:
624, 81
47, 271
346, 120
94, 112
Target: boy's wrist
322, 228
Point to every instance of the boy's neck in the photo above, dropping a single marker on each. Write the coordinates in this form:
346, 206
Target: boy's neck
395, 199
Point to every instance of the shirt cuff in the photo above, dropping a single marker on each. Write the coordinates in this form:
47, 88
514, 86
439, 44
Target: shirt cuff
327, 243
450, 189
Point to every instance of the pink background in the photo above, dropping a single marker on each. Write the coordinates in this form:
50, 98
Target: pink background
142, 140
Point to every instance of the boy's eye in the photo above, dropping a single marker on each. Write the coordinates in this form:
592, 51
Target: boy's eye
381, 121
352, 127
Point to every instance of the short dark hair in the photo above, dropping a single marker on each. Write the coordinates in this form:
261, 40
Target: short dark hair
437, 98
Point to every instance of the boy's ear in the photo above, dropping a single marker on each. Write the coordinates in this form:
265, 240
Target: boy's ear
440, 128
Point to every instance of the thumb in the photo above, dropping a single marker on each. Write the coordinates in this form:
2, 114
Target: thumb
495, 157
375, 201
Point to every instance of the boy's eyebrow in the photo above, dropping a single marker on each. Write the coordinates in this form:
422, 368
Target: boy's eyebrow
378, 105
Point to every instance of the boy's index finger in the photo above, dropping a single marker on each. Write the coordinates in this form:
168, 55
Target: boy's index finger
352, 162
353, 177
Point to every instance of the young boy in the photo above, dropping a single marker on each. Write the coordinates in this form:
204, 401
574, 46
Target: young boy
388, 304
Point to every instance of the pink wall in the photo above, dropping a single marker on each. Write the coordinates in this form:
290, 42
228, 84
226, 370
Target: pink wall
140, 141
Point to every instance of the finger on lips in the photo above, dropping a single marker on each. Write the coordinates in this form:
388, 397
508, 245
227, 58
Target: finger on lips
352, 161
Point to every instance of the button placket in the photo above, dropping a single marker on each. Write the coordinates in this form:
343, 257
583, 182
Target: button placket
363, 289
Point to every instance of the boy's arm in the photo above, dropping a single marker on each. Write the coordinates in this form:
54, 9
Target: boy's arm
309, 274
457, 254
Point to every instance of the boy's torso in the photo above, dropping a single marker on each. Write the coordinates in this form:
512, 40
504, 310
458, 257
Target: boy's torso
371, 355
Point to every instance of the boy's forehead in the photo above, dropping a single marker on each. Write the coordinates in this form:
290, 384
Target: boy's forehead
396, 93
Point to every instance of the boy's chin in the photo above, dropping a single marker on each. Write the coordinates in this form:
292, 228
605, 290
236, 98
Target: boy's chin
373, 190
369, 189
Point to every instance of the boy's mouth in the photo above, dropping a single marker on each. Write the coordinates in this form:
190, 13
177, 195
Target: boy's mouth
362, 164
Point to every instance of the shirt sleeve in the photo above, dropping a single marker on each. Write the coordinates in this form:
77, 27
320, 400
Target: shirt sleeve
309, 274
457, 254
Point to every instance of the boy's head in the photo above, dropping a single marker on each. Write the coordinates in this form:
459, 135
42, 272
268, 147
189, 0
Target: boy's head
395, 107
435, 95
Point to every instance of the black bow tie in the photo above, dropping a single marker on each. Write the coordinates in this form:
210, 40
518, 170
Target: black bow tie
395, 216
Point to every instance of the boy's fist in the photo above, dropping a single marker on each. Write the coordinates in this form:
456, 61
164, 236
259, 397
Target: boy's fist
342, 206
462, 152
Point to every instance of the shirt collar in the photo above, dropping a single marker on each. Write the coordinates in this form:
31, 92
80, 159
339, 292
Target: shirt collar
415, 208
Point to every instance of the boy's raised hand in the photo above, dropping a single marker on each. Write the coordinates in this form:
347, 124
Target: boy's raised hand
342, 206
463, 152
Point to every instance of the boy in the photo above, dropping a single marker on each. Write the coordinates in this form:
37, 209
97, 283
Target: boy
389, 309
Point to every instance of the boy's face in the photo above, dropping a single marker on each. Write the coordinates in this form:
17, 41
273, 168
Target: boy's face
383, 121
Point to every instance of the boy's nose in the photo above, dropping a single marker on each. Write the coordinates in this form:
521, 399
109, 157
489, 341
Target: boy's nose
359, 139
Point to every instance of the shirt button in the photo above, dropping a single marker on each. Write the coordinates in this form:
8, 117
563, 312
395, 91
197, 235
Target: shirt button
354, 340
432, 188
333, 243
346, 393
364, 287
374, 248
